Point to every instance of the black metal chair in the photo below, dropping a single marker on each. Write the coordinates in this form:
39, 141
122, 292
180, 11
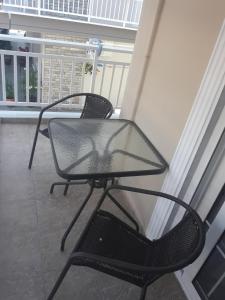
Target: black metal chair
95, 107
111, 246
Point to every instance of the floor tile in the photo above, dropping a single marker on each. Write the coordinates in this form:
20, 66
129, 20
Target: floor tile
27, 288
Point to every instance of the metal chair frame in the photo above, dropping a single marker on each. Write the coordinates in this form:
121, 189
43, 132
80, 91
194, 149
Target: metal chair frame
108, 115
78, 258
93, 185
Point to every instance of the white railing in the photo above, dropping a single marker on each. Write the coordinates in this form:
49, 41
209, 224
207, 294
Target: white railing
38, 78
122, 13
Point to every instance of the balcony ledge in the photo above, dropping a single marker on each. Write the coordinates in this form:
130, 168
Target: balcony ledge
10, 114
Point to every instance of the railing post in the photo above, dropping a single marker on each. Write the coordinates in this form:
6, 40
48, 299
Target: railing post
27, 78
3, 77
15, 78
39, 81
94, 72
126, 11
39, 7
90, 9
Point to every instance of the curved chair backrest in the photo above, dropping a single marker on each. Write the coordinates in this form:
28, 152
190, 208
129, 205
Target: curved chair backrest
97, 107
180, 246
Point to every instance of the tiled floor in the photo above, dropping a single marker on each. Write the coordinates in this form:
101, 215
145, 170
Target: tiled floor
32, 222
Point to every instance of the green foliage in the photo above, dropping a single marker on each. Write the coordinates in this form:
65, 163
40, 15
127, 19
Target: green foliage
9, 91
88, 68
33, 83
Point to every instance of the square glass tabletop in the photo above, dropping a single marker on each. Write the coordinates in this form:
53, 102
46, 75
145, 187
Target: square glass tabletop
96, 148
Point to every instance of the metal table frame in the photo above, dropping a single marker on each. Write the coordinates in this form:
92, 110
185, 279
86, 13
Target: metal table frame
100, 180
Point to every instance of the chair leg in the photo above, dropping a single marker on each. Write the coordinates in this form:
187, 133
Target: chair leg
52, 187
33, 148
143, 292
75, 218
59, 280
66, 188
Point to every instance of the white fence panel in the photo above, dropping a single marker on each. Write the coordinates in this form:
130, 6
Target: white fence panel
122, 13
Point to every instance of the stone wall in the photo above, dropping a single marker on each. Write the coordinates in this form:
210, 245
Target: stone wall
71, 70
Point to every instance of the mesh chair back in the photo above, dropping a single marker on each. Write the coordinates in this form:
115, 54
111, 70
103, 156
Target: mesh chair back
179, 247
96, 107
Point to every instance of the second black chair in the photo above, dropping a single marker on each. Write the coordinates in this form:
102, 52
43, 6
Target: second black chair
95, 107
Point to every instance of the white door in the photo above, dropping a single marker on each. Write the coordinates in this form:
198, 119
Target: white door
205, 278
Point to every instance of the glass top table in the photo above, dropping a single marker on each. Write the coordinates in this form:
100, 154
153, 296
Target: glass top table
96, 148
99, 150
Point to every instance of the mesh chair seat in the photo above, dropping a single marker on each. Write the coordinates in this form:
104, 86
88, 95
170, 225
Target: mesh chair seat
108, 236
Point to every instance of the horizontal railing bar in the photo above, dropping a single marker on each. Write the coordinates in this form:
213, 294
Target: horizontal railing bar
54, 56
36, 104
114, 20
117, 49
64, 43
109, 62
33, 40
20, 6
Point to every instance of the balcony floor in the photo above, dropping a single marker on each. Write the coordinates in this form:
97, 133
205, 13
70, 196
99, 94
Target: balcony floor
32, 222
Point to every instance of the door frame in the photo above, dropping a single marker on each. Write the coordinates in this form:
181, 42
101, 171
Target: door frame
195, 130
217, 141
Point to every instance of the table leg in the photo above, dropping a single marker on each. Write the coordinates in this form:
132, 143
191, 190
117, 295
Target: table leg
76, 217
66, 183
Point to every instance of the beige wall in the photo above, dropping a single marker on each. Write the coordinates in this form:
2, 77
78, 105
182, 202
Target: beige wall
172, 62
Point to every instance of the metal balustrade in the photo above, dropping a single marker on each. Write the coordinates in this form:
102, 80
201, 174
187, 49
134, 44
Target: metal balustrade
122, 13
31, 78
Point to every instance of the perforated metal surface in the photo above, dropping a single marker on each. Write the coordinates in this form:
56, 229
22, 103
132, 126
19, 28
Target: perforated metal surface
95, 148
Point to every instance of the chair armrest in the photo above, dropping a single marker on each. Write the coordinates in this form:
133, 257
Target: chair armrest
153, 193
78, 258
188, 208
